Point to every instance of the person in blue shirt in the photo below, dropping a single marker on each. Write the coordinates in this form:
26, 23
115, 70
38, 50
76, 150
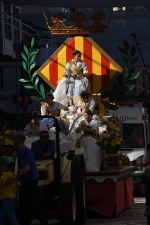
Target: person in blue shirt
43, 148
27, 175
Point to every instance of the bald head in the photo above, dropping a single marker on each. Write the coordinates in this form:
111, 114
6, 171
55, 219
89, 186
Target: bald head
18, 138
20, 135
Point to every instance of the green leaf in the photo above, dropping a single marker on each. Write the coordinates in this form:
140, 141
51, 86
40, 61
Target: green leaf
32, 66
23, 80
133, 76
35, 98
123, 50
124, 59
132, 51
34, 75
36, 81
130, 87
29, 87
126, 73
126, 45
34, 52
32, 42
42, 90
26, 50
134, 61
24, 66
32, 59
24, 57
42, 103
51, 91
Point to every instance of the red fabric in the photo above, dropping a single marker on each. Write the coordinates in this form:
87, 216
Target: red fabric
51, 214
101, 196
120, 196
104, 197
129, 198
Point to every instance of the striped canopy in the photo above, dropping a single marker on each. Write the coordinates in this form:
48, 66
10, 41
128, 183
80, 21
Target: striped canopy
102, 68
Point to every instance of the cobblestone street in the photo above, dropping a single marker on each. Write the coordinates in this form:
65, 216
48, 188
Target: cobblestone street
132, 216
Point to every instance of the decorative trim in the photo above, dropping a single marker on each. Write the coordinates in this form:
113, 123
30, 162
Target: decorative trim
78, 27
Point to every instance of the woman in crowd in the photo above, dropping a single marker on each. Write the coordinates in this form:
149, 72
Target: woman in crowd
74, 80
86, 102
50, 106
88, 128
32, 130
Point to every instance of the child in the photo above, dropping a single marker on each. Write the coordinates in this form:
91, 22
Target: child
8, 193
71, 115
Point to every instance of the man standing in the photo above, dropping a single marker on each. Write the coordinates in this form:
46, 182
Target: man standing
27, 175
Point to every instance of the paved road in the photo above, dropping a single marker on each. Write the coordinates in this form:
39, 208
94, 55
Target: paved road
132, 216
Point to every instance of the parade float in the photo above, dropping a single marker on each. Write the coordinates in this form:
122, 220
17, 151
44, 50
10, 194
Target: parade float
110, 188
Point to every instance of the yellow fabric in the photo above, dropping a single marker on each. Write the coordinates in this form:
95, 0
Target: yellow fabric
75, 68
44, 108
86, 133
34, 129
8, 191
83, 106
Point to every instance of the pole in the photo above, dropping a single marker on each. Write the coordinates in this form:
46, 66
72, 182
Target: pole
16, 49
17, 90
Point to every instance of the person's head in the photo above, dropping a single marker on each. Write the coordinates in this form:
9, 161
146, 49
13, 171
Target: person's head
88, 115
77, 55
49, 98
36, 113
84, 96
44, 136
7, 164
19, 138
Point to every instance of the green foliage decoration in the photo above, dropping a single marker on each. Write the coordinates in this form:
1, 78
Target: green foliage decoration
125, 81
129, 58
28, 63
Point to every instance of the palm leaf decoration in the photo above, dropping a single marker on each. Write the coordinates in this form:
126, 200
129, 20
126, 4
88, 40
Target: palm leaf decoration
130, 59
28, 62
125, 81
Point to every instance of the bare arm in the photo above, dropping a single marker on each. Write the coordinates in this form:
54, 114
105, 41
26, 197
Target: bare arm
46, 155
143, 189
23, 171
89, 130
81, 75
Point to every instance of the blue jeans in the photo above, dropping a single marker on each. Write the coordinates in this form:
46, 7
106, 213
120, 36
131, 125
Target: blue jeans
8, 211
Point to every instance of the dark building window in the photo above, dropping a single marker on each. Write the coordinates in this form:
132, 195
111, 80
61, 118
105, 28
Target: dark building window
16, 23
7, 18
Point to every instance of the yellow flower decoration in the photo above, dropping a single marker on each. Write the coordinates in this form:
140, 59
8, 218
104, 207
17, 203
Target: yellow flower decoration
1, 137
8, 132
8, 142
111, 136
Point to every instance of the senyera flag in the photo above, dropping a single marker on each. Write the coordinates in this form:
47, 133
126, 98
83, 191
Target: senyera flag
102, 68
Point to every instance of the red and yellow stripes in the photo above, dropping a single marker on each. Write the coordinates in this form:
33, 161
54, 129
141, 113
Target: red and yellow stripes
102, 68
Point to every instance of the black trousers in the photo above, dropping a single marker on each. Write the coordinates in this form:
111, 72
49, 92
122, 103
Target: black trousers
29, 205
148, 220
